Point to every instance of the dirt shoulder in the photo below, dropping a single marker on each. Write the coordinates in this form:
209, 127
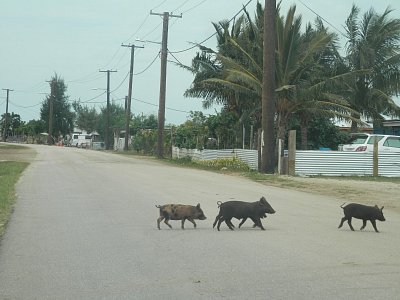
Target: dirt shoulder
369, 192
14, 152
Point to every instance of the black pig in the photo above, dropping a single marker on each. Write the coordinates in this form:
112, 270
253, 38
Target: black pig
179, 212
243, 210
363, 212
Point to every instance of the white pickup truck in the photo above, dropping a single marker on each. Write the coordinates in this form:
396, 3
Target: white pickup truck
81, 140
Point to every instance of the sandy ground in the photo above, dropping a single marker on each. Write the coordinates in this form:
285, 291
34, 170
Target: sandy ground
368, 192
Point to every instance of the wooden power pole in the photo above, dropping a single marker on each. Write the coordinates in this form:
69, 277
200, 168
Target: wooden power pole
6, 116
163, 80
129, 100
107, 129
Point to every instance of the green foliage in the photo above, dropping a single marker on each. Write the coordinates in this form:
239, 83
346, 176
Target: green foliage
13, 124
229, 164
63, 117
141, 122
145, 141
117, 121
212, 132
9, 174
224, 164
145, 134
86, 118
193, 133
323, 133
372, 50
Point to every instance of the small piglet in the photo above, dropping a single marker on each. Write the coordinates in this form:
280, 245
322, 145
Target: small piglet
363, 212
179, 212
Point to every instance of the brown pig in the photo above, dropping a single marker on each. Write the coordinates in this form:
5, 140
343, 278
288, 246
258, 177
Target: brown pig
179, 212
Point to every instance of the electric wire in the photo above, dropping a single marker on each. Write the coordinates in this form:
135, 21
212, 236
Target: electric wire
322, 18
156, 105
141, 72
202, 42
200, 3
181, 5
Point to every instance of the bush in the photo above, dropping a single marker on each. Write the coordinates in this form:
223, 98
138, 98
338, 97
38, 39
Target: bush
230, 164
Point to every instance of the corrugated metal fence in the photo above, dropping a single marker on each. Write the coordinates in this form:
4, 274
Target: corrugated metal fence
338, 163
325, 163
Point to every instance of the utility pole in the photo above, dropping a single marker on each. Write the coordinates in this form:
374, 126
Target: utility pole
51, 111
268, 90
107, 129
6, 116
129, 100
163, 79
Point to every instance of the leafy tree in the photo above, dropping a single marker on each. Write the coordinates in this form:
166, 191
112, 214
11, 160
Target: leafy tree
86, 118
34, 127
13, 124
224, 128
62, 115
144, 130
141, 122
322, 133
193, 133
117, 121
373, 47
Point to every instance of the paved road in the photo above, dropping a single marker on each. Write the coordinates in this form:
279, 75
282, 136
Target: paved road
84, 227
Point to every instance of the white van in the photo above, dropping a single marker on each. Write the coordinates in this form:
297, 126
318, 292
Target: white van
364, 142
81, 140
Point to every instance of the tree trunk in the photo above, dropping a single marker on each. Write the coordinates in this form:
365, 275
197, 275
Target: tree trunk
304, 135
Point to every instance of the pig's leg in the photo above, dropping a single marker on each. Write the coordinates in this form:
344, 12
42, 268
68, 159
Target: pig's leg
221, 219
258, 223
364, 224
241, 223
374, 224
192, 221
342, 221
216, 219
159, 221
183, 222
228, 223
349, 221
166, 222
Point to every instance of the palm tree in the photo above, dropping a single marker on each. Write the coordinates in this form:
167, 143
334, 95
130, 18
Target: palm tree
233, 75
373, 45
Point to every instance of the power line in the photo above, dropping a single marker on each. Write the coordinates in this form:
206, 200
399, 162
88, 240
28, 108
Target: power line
201, 2
168, 108
205, 40
141, 72
123, 80
322, 18
20, 106
180, 5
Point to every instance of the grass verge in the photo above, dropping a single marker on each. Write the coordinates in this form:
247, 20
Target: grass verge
10, 171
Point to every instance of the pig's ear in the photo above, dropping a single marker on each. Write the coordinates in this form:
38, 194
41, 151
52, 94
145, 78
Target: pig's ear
198, 205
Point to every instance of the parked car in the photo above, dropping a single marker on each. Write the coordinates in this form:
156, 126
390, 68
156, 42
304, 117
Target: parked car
364, 142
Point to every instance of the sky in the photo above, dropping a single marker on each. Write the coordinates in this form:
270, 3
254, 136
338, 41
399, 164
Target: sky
76, 39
